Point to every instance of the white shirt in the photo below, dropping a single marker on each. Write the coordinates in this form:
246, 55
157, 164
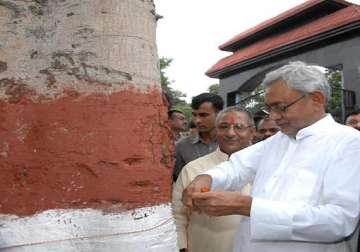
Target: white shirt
306, 191
199, 232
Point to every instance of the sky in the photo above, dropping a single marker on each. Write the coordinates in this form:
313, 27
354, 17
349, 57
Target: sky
191, 31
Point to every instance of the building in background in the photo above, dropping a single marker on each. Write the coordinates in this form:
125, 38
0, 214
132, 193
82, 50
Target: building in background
322, 32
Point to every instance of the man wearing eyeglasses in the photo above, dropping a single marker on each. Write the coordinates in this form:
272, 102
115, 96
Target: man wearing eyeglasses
306, 191
178, 123
198, 232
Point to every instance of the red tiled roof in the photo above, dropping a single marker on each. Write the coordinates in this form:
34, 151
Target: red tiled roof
275, 20
335, 20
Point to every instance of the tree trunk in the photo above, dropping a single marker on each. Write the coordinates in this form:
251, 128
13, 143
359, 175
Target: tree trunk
82, 128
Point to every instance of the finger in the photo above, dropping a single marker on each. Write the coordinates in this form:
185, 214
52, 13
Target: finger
201, 205
187, 196
203, 196
187, 199
197, 209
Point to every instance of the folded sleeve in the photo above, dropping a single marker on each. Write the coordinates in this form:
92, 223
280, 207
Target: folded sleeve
333, 219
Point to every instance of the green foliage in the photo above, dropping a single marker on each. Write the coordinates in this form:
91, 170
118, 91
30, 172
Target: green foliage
214, 88
335, 104
176, 96
186, 109
253, 101
164, 63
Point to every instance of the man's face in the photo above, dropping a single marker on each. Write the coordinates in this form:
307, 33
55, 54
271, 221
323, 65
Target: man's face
267, 128
234, 132
353, 121
204, 117
178, 121
299, 115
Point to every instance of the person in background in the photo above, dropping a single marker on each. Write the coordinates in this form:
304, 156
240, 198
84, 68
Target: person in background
353, 119
305, 193
266, 128
235, 130
258, 115
192, 128
178, 123
204, 109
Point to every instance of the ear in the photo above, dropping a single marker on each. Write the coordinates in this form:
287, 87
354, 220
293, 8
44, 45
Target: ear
318, 98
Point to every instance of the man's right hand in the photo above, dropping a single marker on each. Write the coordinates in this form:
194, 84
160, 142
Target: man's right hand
199, 184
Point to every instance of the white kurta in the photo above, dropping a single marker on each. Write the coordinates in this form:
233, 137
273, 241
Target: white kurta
306, 191
199, 232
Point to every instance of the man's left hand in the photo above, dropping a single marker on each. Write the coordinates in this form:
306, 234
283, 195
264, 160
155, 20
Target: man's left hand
222, 203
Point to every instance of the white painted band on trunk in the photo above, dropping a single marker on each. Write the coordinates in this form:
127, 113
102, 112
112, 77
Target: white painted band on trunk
143, 229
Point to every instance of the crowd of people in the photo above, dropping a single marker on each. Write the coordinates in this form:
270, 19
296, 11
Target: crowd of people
287, 182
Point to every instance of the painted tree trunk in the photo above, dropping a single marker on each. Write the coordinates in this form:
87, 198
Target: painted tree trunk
84, 163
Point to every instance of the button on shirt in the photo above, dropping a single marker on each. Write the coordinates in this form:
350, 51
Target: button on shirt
189, 149
306, 191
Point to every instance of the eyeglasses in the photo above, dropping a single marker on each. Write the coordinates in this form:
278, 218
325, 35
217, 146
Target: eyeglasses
352, 122
281, 108
238, 128
182, 118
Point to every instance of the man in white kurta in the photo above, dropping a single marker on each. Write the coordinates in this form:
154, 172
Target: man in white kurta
306, 179
199, 232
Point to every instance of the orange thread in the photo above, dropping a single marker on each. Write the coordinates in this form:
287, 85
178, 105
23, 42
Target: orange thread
204, 189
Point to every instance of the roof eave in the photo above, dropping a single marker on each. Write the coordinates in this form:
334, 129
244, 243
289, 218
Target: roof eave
284, 49
232, 43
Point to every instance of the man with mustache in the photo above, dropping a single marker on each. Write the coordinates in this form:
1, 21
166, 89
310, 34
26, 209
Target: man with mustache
305, 179
204, 109
198, 232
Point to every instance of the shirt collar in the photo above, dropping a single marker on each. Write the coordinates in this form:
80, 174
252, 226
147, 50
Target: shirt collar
319, 126
222, 154
197, 138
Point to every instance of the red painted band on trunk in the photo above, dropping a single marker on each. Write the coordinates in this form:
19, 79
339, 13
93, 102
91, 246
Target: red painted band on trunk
96, 151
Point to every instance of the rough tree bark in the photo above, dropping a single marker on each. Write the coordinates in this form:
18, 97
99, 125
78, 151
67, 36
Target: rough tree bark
82, 128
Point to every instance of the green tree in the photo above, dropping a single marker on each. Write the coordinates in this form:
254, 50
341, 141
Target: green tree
335, 105
214, 88
177, 98
254, 100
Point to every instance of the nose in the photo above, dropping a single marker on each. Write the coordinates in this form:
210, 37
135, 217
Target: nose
230, 132
274, 115
196, 119
267, 133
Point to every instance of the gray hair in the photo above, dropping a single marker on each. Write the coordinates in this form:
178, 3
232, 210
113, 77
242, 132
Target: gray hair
238, 109
300, 76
